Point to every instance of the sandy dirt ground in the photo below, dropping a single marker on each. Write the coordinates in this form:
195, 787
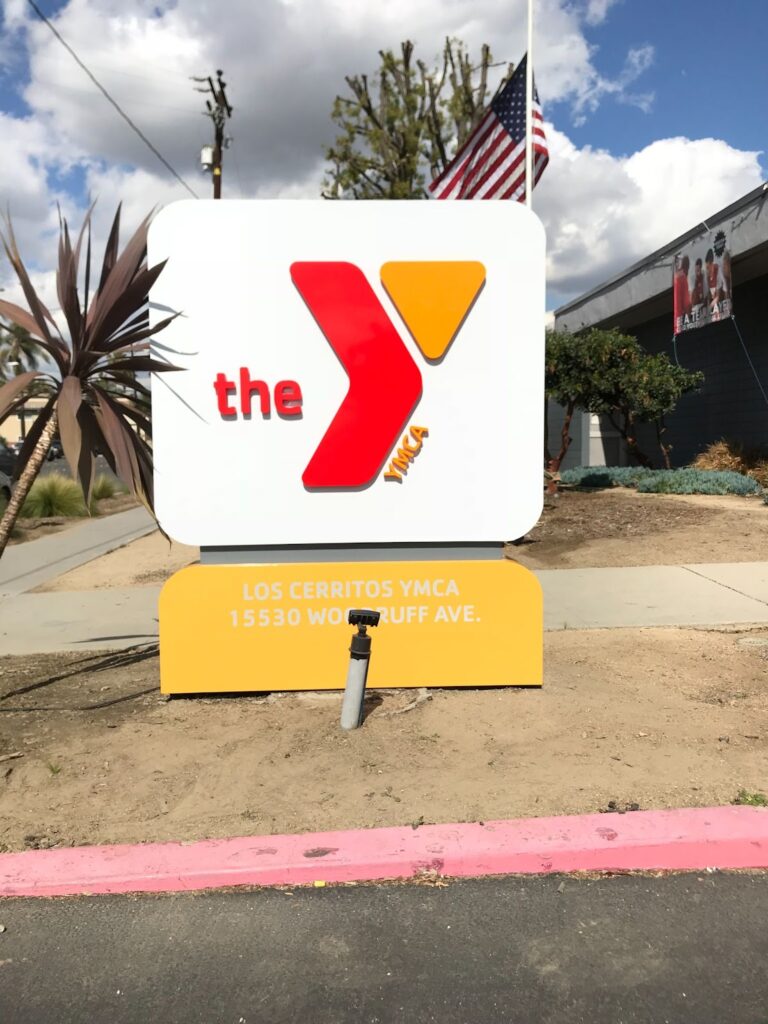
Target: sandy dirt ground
576, 530
657, 718
620, 527
147, 561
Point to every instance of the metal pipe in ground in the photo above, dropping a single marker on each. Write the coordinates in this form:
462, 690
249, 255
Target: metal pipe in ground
357, 673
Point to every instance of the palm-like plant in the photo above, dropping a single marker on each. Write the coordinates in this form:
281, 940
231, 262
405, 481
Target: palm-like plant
92, 394
18, 351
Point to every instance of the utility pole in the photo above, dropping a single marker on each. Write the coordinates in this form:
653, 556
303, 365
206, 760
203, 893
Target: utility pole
219, 111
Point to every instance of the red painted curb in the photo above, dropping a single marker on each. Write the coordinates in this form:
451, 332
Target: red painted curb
689, 839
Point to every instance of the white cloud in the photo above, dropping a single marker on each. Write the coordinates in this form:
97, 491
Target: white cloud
285, 60
596, 88
602, 212
597, 10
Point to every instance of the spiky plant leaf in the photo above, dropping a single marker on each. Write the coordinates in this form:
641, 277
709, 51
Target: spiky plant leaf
14, 389
97, 400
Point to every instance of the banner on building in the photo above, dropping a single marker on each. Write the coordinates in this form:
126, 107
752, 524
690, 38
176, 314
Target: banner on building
702, 286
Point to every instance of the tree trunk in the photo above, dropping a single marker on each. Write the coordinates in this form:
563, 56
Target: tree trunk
630, 436
27, 478
665, 448
565, 435
553, 467
627, 432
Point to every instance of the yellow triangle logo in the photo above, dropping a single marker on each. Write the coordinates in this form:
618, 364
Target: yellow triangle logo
433, 298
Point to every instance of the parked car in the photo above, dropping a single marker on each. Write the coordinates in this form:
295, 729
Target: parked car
7, 459
16, 446
5, 487
55, 451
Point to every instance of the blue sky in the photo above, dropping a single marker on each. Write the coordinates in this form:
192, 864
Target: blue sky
709, 74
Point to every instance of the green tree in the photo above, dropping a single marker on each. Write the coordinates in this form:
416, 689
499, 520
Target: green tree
568, 380
406, 122
609, 373
85, 387
652, 387
18, 351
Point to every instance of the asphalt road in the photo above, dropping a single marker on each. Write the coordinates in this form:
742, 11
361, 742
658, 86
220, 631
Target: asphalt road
611, 951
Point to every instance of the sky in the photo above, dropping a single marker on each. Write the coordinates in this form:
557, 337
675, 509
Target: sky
656, 112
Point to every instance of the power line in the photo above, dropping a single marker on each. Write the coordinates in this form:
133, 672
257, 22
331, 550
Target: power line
114, 103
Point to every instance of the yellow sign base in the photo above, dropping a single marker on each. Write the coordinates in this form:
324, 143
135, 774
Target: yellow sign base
226, 628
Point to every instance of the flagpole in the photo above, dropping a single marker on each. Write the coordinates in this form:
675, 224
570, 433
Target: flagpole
529, 111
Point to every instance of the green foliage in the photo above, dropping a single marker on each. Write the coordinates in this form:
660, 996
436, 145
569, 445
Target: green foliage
652, 386
572, 368
103, 487
662, 481
19, 351
405, 123
58, 495
599, 477
751, 799
609, 373
698, 481
576, 365
54, 495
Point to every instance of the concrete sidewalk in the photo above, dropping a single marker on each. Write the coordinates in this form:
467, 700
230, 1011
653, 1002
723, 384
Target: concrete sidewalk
727, 594
84, 620
26, 566
731, 593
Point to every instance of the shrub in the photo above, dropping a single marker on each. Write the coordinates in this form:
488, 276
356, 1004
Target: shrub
732, 455
605, 476
54, 495
699, 481
662, 481
103, 487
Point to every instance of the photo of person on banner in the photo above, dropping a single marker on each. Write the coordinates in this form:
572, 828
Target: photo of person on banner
725, 281
697, 292
682, 295
706, 295
713, 284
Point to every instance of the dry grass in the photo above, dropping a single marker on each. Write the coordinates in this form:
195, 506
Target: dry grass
732, 455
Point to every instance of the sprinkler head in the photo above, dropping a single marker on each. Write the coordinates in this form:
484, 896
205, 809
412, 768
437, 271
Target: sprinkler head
363, 617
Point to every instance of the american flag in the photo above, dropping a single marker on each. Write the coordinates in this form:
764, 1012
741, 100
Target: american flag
491, 163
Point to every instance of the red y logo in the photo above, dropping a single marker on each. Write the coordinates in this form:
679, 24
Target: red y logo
384, 381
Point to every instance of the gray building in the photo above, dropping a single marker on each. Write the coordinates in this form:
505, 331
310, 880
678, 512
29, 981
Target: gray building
639, 301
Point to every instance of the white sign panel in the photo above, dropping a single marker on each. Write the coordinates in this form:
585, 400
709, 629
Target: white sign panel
354, 372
